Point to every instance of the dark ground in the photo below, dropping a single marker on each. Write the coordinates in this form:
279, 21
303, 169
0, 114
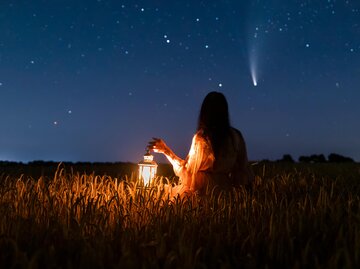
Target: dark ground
37, 169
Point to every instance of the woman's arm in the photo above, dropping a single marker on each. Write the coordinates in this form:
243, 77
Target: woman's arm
200, 158
159, 146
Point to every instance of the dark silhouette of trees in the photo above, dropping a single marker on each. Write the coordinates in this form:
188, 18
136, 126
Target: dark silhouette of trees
304, 159
320, 158
336, 158
314, 158
286, 159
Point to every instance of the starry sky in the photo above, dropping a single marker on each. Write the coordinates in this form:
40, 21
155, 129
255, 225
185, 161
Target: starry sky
95, 80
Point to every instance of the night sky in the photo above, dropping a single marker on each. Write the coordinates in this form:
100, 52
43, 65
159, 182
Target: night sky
93, 80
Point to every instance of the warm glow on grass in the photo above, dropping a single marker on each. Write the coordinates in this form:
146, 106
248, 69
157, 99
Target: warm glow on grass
296, 218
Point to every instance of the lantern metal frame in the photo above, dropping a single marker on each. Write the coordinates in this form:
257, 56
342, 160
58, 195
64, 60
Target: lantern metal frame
147, 169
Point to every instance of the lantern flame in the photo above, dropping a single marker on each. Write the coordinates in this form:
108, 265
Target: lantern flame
147, 174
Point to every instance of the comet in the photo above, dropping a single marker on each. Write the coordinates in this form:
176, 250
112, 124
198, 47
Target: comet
255, 45
253, 67
253, 73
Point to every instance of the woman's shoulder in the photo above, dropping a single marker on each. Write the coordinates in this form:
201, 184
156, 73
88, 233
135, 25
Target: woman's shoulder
200, 134
200, 137
235, 131
237, 137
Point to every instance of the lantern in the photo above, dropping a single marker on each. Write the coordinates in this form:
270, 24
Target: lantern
147, 168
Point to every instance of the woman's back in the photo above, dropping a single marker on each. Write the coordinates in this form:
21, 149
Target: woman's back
217, 156
231, 165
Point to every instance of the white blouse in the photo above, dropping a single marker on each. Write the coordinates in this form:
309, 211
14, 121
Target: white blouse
199, 168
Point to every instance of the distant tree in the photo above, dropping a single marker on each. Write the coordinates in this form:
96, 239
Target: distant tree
42, 163
286, 159
304, 159
337, 158
320, 158
314, 158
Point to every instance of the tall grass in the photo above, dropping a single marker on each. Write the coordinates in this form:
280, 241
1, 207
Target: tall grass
293, 218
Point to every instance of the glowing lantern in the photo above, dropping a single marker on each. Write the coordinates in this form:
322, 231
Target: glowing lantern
147, 168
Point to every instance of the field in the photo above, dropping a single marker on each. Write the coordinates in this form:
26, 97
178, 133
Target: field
296, 216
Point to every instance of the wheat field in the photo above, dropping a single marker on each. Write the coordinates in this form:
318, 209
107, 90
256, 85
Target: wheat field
294, 217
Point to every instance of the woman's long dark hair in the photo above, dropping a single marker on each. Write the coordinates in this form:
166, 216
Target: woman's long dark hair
214, 120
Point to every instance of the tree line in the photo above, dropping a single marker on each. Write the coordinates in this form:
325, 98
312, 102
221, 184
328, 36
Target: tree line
317, 158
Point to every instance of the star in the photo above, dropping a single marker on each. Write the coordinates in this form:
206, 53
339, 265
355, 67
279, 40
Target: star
76, 57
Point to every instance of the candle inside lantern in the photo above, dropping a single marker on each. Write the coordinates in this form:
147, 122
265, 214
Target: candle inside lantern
147, 168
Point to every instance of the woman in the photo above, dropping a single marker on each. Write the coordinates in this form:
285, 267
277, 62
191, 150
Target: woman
217, 157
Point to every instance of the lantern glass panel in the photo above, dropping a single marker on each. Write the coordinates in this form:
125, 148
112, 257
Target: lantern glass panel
147, 169
146, 174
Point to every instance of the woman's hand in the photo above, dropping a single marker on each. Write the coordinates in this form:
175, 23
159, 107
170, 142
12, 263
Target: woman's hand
158, 145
